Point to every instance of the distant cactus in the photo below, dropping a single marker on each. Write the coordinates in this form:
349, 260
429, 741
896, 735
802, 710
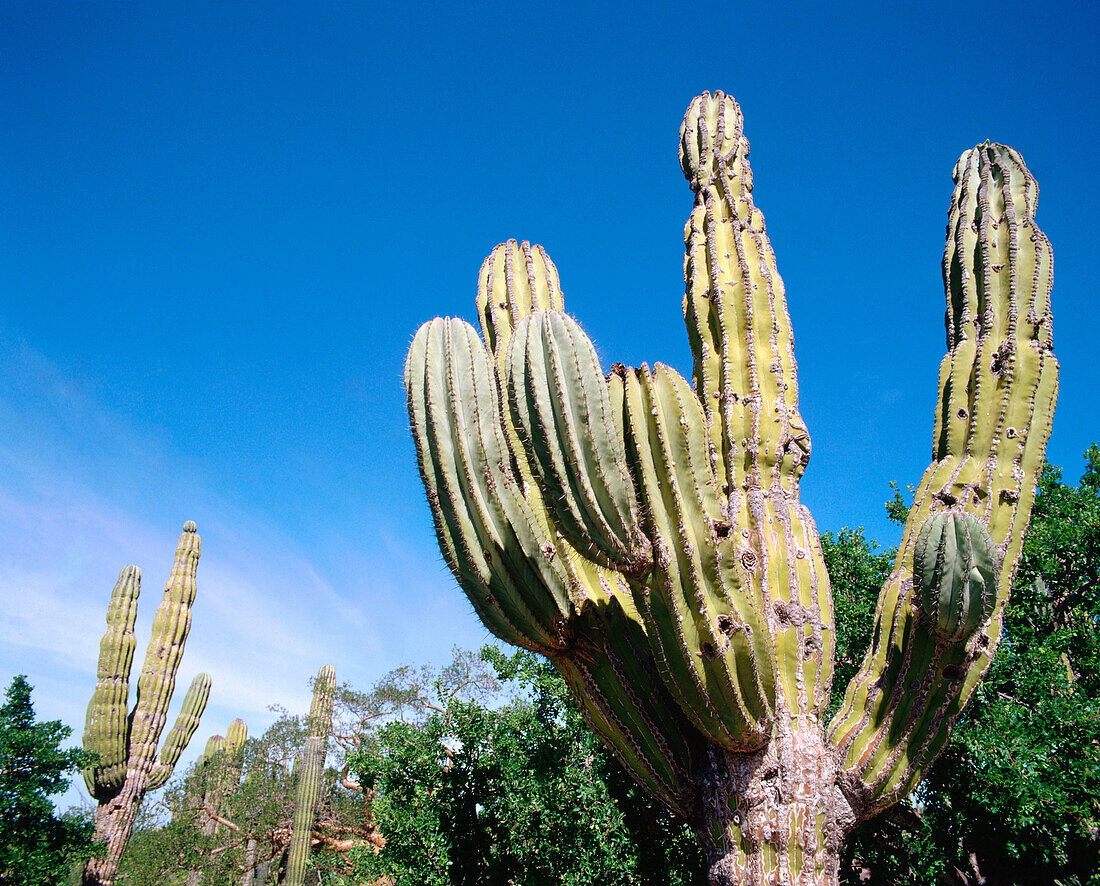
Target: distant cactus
217, 772
309, 769
645, 533
124, 742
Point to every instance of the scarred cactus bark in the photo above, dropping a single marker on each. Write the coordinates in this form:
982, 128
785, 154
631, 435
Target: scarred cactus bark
646, 534
124, 741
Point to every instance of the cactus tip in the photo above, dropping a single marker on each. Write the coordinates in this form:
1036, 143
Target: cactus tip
190, 526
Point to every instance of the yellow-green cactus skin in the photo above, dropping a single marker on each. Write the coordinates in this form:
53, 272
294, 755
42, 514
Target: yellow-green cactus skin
308, 769
645, 532
124, 741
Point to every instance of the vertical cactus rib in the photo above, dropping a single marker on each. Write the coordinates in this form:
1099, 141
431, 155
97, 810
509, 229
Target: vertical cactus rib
560, 403
105, 731
998, 385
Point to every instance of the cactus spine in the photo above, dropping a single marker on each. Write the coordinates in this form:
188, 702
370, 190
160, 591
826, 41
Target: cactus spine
645, 532
125, 741
310, 767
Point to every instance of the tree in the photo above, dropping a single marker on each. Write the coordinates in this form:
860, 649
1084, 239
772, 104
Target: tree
1015, 797
36, 846
472, 795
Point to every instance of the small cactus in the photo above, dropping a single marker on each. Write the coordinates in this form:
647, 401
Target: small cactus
955, 572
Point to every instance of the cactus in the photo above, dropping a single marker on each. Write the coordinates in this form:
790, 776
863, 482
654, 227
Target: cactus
217, 771
309, 768
955, 575
124, 742
645, 532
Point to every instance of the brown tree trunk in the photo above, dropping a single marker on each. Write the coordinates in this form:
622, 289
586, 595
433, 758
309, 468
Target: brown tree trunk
775, 817
114, 822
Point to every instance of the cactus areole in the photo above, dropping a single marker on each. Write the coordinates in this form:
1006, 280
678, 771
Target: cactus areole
645, 533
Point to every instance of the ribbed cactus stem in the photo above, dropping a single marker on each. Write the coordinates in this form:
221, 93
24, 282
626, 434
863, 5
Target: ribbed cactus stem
646, 533
309, 768
125, 743
955, 572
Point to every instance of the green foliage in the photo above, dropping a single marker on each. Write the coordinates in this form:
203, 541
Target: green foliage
36, 846
1015, 798
521, 794
857, 569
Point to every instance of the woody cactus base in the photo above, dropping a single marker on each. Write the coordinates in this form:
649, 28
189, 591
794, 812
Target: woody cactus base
645, 532
124, 741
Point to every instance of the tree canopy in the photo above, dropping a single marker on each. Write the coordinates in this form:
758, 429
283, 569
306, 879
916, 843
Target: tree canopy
36, 846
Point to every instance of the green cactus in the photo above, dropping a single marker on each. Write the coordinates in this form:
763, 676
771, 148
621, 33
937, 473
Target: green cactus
124, 742
645, 533
217, 772
955, 575
309, 769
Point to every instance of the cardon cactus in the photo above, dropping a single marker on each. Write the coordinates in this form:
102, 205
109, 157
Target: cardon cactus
218, 771
124, 741
645, 532
309, 770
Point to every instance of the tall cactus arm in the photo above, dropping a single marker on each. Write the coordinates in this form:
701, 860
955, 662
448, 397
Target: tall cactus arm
515, 280
171, 624
310, 766
746, 379
735, 307
502, 556
106, 731
710, 636
998, 385
561, 404
320, 709
194, 703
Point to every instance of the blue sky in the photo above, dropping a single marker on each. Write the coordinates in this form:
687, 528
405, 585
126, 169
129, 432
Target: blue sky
220, 225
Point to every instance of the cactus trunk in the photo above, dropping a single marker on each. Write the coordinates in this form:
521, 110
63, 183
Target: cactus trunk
646, 533
128, 764
775, 815
309, 769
